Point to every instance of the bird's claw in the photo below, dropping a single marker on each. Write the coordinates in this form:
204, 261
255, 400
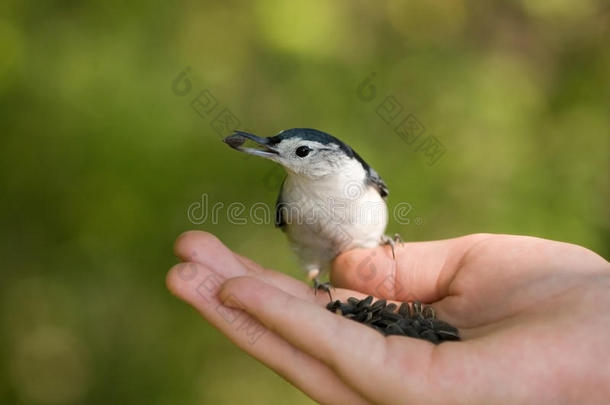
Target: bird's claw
317, 285
392, 241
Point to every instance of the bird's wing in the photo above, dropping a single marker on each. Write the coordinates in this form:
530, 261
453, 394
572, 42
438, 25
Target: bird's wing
372, 176
280, 221
376, 181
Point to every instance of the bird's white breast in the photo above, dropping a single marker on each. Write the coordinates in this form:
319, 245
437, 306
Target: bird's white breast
329, 215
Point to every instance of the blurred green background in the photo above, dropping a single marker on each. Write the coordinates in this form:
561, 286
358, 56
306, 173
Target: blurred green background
101, 159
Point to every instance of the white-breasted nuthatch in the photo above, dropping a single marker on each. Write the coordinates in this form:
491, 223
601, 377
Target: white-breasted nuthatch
331, 200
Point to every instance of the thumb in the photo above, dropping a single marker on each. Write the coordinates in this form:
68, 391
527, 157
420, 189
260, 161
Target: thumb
421, 271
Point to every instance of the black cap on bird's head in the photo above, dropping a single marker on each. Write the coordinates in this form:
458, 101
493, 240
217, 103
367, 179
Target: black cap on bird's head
305, 151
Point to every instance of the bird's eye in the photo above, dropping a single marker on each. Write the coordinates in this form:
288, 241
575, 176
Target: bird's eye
302, 151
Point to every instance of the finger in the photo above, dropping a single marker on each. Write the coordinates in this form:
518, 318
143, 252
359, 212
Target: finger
207, 249
422, 271
249, 263
198, 286
354, 351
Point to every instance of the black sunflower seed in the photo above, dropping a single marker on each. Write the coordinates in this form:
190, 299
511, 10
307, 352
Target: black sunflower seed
375, 319
417, 307
394, 329
391, 315
347, 308
403, 323
413, 320
378, 305
447, 335
333, 305
365, 302
405, 310
410, 331
360, 316
428, 312
430, 336
427, 323
385, 322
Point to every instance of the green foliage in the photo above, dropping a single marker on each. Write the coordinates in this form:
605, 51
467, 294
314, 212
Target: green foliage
101, 160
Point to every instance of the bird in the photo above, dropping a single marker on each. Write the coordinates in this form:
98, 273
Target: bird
330, 201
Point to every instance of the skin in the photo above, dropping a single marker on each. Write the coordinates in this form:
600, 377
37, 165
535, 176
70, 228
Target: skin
533, 315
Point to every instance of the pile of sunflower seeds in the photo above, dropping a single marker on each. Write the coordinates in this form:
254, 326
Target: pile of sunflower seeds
414, 320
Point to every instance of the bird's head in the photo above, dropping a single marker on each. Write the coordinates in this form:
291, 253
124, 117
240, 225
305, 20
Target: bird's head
302, 151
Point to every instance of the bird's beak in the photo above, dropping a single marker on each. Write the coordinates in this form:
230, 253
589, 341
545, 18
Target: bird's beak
236, 141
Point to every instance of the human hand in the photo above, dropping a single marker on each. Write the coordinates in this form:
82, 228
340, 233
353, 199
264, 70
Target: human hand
530, 312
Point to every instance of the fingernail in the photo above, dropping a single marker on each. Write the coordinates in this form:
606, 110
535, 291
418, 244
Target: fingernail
233, 288
232, 302
226, 297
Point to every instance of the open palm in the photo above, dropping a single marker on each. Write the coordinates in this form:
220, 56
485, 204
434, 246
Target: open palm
531, 313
